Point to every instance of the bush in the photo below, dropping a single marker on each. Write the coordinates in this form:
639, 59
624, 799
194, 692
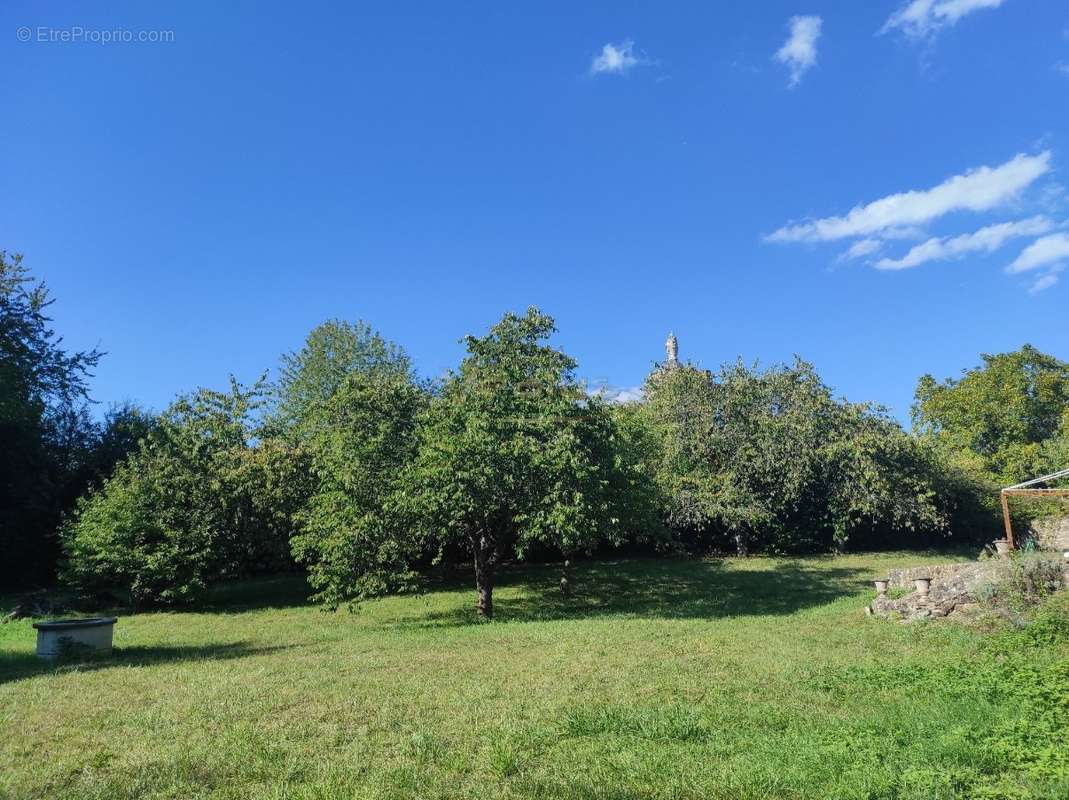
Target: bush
1023, 582
770, 460
197, 502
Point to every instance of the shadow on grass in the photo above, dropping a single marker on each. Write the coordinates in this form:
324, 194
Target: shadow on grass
667, 589
17, 666
684, 588
254, 594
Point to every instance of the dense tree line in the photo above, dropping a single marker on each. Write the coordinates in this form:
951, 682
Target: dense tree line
999, 424
770, 460
52, 448
353, 469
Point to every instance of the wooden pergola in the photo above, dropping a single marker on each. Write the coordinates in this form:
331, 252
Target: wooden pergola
1029, 489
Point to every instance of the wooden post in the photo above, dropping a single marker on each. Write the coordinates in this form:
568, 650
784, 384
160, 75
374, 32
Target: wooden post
1006, 517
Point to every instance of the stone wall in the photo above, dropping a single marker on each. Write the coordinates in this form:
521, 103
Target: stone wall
955, 589
970, 572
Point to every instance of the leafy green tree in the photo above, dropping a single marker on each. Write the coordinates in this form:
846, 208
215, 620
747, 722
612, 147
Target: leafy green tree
87, 450
311, 375
512, 452
1056, 449
203, 498
679, 418
36, 373
771, 460
43, 389
998, 419
880, 480
633, 494
354, 535
119, 434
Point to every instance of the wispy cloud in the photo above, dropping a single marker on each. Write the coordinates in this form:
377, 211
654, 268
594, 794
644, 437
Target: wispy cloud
923, 18
615, 59
861, 248
799, 52
986, 239
1044, 282
1044, 251
979, 189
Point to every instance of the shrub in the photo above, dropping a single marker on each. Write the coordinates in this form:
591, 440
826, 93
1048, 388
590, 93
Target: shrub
1022, 582
198, 501
771, 460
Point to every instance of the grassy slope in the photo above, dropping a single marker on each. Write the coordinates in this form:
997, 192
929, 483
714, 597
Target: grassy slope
661, 678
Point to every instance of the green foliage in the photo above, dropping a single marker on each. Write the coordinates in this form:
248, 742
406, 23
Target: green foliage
632, 489
36, 373
880, 481
1005, 420
771, 459
513, 453
679, 418
310, 376
198, 501
43, 424
355, 536
1023, 581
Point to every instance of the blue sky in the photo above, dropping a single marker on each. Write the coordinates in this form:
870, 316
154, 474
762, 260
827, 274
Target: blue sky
877, 187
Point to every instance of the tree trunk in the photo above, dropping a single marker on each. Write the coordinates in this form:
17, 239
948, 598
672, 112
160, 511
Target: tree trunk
484, 575
742, 543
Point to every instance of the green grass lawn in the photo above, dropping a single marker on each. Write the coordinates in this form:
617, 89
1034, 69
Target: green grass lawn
757, 678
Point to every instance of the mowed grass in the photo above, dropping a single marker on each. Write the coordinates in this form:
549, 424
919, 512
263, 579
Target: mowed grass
756, 678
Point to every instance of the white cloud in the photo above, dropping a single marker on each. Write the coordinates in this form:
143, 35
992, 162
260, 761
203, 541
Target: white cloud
1045, 250
902, 232
987, 239
861, 248
799, 52
923, 18
1044, 282
615, 59
978, 189
619, 395
1063, 68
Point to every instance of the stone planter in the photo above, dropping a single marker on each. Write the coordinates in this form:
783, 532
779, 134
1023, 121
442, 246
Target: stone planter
1002, 547
58, 636
881, 587
924, 585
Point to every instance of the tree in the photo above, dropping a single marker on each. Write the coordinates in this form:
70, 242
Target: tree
881, 480
43, 389
311, 375
1056, 449
203, 498
998, 418
354, 535
679, 422
119, 434
770, 459
512, 452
